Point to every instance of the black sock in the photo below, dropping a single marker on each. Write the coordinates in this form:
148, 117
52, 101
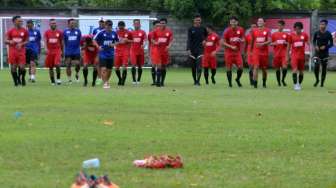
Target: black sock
193, 73
300, 78
239, 74
206, 75
118, 75
85, 74
251, 76
153, 74
295, 78
51, 75
139, 73
94, 76
77, 68
164, 72
133, 74
278, 75
284, 74
15, 77
213, 74
199, 74
124, 76
324, 73
229, 77
158, 77
58, 73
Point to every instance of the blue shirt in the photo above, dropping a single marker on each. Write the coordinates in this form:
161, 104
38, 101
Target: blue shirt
34, 43
104, 40
97, 30
72, 38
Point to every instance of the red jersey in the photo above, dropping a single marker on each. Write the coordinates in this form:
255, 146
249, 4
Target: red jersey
260, 36
163, 37
91, 50
18, 36
54, 39
233, 37
298, 44
280, 40
139, 37
123, 48
211, 43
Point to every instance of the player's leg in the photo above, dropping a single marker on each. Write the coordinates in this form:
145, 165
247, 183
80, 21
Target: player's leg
85, 73
68, 68
255, 70
124, 68
277, 67
205, 65
239, 63
324, 64
317, 71
22, 68
301, 71
133, 71
264, 66
153, 73
118, 63
193, 64
33, 70
284, 71
133, 58
229, 72
198, 70
295, 73
141, 63
76, 62
250, 64
14, 73
94, 74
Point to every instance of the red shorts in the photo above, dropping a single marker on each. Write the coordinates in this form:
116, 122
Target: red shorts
160, 57
90, 59
209, 61
298, 63
53, 59
233, 59
121, 60
279, 62
137, 59
260, 61
17, 58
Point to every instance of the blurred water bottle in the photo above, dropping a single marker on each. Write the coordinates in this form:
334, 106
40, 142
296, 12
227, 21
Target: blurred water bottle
17, 114
92, 163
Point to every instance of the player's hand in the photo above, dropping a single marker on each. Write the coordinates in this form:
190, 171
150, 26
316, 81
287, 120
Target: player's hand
322, 47
19, 45
11, 42
317, 48
259, 44
233, 47
213, 54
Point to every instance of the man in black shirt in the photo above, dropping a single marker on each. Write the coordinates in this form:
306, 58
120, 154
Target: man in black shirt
196, 35
322, 42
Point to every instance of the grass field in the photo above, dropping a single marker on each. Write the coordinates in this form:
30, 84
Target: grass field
239, 138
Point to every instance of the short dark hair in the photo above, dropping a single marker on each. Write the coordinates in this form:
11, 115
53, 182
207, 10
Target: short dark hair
14, 18
52, 19
121, 23
164, 20
298, 24
70, 20
233, 18
155, 22
108, 22
136, 20
210, 27
101, 21
324, 21
281, 22
30, 21
197, 16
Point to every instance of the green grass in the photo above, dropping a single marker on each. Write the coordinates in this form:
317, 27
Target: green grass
217, 130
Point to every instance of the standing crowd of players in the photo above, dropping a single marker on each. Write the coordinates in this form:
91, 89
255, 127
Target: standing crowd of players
106, 48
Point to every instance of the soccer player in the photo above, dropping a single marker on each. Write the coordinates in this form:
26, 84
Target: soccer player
99, 28
261, 38
196, 35
53, 39
162, 39
248, 52
233, 37
152, 49
137, 50
72, 38
298, 40
90, 51
106, 39
16, 39
280, 41
33, 48
122, 52
322, 41
211, 47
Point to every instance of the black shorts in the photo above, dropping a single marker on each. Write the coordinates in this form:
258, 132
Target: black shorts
73, 57
30, 56
107, 63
